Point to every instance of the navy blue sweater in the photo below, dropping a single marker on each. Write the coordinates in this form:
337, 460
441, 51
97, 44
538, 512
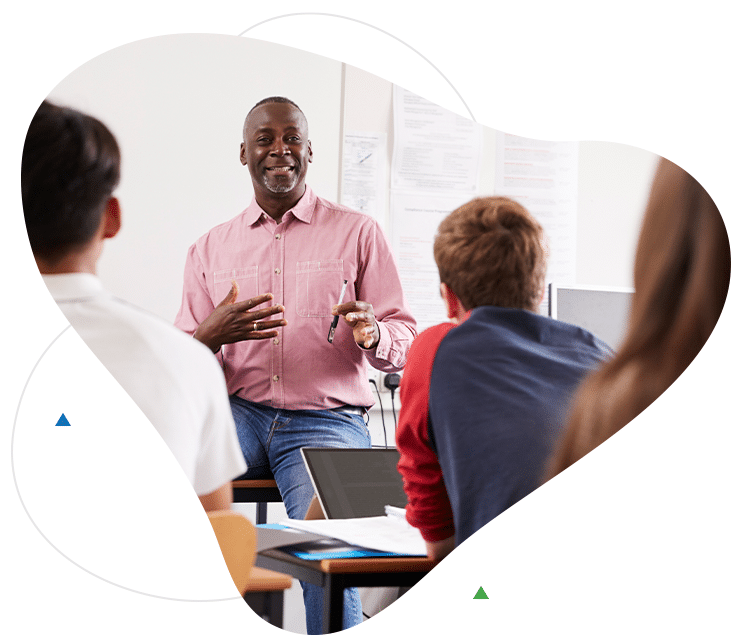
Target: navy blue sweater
499, 388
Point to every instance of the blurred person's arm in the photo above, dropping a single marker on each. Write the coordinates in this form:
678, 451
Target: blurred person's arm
217, 500
438, 550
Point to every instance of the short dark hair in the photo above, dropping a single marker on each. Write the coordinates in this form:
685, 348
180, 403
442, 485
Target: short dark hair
491, 251
270, 100
70, 167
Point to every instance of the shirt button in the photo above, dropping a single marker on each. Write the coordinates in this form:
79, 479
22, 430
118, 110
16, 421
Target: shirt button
277, 236
277, 271
276, 341
275, 378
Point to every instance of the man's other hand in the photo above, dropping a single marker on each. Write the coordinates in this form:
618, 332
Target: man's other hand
360, 317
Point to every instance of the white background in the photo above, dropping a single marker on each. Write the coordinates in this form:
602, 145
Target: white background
631, 540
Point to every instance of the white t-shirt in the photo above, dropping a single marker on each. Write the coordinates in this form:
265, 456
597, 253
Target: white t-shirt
174, 379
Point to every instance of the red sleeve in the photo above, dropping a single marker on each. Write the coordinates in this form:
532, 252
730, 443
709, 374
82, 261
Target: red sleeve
429, 506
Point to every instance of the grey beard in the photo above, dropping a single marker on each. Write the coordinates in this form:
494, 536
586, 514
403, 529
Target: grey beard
278, 186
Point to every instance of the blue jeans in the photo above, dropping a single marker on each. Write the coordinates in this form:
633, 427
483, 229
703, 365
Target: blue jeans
270, 440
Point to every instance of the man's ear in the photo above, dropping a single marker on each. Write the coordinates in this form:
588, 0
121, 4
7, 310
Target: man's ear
243, 154
452, 303
112, 221
310, 152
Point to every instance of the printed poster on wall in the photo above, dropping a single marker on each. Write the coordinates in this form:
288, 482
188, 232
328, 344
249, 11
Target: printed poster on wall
543, 176
414, 224
364, 174
434, 149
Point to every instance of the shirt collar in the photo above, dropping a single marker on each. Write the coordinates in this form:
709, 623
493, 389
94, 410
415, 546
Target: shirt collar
70, 286
303, 210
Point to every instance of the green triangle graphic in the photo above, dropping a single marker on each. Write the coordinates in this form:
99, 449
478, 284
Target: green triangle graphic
480, 595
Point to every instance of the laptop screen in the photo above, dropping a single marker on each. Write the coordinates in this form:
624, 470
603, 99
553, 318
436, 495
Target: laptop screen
355, 483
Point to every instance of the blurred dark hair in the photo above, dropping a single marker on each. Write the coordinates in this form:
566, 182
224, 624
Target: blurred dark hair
70, 167
682, 274
490, 251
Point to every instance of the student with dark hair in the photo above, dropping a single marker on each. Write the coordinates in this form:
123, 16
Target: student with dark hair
70, 169
483, 397
681, 277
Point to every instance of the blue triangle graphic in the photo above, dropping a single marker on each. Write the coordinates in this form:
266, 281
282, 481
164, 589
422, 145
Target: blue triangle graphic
63, 421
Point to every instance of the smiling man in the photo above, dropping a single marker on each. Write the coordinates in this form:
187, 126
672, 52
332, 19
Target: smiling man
289, 386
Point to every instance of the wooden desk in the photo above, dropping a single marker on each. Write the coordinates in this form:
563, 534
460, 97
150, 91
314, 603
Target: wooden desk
259, 491
336, 575
265, 594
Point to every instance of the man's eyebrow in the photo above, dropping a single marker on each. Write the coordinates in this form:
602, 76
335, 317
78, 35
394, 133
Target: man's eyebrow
288, 127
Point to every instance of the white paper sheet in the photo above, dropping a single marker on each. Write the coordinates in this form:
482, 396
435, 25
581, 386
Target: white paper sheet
543, 176
364, 173
414, 224
383, 533
434, 149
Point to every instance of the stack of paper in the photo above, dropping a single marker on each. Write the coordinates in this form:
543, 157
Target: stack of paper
383, 533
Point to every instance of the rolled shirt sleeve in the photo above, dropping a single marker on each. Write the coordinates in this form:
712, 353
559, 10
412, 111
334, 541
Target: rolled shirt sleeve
381, 287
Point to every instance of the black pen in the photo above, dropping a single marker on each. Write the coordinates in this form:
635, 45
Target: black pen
334, 324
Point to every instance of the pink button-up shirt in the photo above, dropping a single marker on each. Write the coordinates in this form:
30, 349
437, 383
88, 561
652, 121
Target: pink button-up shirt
302, 261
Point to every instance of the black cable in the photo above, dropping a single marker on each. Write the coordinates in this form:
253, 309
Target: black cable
381, 407
392, 382
393, 409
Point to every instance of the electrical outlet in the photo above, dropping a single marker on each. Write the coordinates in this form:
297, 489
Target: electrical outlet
381, 381
379, 377
392, 381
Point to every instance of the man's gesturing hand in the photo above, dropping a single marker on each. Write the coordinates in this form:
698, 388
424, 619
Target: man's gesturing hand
232, 321
360, 317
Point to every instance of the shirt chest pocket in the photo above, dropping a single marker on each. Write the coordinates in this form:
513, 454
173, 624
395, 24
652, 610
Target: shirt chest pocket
246, 278
317, 287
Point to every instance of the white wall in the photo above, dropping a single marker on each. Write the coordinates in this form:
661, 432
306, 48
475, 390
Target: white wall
177, 106
614, 180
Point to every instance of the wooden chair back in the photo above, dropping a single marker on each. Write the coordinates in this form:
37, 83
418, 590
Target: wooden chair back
237, 538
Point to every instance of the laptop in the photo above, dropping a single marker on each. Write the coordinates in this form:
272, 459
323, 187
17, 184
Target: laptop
355, 483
